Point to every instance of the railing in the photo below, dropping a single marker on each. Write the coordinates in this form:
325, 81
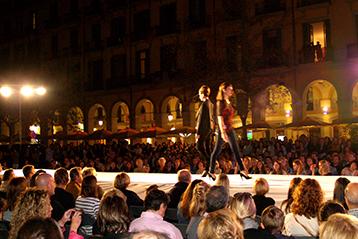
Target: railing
276, 6
305, 3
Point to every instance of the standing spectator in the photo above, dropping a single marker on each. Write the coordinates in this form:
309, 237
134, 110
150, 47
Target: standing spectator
155, 205
74, 186
351, 195
261, 188
184, 178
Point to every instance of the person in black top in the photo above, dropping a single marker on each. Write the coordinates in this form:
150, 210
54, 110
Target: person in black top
204, 126
184, 178
65, 198
261, 187
226, 134
121, 182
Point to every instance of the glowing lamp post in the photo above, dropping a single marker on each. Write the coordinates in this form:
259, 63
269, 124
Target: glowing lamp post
21, 91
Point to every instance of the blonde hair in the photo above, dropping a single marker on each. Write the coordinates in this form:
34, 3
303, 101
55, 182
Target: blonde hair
32, 203
121, 181
197, 205
221, 224
223, 180
261, 186
339, 226
243, 205
86, 171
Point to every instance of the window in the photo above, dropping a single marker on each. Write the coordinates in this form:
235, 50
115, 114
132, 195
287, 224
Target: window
118, 70
168, 58
197, 13
168, 19
269, 6
141, 24
118, 31
142, 62
316, 42
233, 59
200, 55
96, 35
54, 45
272, 48
95, 75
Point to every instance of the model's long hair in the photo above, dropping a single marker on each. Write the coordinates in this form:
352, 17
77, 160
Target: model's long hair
222, 87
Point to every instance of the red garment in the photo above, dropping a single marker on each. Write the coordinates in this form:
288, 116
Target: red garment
226, 111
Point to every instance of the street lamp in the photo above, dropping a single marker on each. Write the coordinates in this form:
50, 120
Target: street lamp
21, 91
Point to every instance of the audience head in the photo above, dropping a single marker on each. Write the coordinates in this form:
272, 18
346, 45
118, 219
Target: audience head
187, 196
33, 202
86, 171
33, 178
339, 226
307, 198
40, 228
223, 180
89, 187
8, 174
121, 181
216, 198
351, 195
156, 200
15, 187
45, 181
329, 208
184, 175
243, 205
76, 175
28, 170
151, 187
221, 224
113, 213
272, 219
339, 190
61, 176
149, 235
261, 187
197, 204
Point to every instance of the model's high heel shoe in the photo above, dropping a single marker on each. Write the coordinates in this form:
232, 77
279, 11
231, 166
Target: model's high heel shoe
204, 174
244, 175
212, 176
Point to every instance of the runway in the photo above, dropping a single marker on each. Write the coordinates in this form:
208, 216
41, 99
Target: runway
278, 183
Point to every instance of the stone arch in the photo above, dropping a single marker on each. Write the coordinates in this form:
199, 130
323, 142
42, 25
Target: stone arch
144, 114
120, 116
97, 118
320, 101
172, 112
75, 120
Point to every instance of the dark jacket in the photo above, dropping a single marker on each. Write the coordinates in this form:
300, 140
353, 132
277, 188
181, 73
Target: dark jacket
205, 118
132, 198
175, 194
262, 202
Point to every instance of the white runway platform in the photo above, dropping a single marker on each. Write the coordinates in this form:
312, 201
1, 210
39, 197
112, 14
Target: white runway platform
278, 183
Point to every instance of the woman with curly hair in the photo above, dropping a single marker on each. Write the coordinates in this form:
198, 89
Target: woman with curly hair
197, 208
113, 218
184, 204
302, 221
15, 187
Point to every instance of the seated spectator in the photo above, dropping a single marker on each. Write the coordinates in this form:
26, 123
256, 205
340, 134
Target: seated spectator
197, 208
4, 225
113, 218
140, 167
33, 178
155, 205
329, 208
40, 227
148, 235
28, 170
298, 168
121, 182
339, 226
351, 196
15, 187
272, 219
6, 177
223, 180
243, 206
151, 187
88, 201
61, 195
220, 224
184, 178
74, 186
261, 187
86, 171
286, 204
339, 191
183, 206
302, 220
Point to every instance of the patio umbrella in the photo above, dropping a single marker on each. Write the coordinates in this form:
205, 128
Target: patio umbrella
307, 122
185, 130
78, 135
261, 125
124, 133
150, 133
100, 134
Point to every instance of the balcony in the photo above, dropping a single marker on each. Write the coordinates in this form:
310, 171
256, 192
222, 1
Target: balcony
352, 50
305, 3
277, 6
312, 54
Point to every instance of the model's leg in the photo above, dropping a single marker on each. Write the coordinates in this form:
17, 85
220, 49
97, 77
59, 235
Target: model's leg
216, 152
234, 145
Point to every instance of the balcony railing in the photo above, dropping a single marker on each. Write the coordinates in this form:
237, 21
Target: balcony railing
261, 9
314, 54
305, 3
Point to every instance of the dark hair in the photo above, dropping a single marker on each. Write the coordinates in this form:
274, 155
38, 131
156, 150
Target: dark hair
338, 192
216, 198
154, 199
121, 181
27, 170
15, 187
205, 90
7, 174
75, 172
286, 204
40, 228
61, 176
329, 208
223, 86
89, 186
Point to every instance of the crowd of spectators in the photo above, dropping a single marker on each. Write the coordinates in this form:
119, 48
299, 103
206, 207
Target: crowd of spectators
304, 156
72, 205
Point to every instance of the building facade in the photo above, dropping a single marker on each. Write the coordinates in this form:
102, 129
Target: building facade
116, 64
